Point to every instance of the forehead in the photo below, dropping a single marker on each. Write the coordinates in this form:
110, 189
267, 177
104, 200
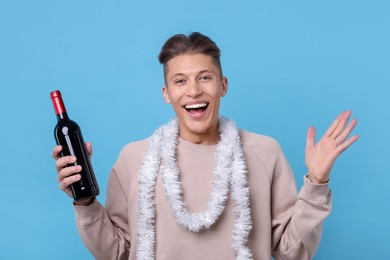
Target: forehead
190, 64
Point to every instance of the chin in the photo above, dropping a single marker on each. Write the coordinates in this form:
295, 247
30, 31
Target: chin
202, 126
198, 127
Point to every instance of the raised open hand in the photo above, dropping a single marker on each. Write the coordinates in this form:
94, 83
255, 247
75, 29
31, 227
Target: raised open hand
321, 156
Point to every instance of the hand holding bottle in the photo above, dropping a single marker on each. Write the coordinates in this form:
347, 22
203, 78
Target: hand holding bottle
69, 175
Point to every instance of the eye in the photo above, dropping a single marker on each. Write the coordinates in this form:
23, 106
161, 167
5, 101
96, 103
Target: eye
179, 81
205, 78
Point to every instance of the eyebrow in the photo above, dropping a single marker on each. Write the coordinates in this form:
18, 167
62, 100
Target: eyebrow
183, 74
203, 71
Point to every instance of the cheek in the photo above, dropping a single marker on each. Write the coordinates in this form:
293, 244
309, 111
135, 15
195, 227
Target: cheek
174, 100
217, 96
171, 96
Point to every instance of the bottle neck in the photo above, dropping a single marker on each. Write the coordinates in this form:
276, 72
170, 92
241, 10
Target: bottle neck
62, 116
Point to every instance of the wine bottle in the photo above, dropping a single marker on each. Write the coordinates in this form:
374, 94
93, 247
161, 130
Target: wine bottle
68, 134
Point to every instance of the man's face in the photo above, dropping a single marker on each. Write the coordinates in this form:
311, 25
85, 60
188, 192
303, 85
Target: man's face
194, 88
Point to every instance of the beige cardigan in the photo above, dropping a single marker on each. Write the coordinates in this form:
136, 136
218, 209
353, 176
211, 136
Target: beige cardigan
286, 225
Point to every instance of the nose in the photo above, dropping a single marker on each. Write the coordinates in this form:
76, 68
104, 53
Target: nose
194, 89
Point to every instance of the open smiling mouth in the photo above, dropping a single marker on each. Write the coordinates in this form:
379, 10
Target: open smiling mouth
196, 108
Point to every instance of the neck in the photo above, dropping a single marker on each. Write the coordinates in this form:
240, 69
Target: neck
209, 137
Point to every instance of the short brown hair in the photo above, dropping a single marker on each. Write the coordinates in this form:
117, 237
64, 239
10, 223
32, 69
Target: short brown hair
194, 43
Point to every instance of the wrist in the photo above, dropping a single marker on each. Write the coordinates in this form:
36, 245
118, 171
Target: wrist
316, 180
85, 202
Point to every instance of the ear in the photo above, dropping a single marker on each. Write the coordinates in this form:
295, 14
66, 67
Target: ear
166, 95
224, 86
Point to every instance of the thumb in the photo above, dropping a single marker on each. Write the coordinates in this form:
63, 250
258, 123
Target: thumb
310, 137
88, 145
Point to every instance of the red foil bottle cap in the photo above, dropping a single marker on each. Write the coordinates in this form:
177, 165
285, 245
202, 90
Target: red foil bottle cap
58, 104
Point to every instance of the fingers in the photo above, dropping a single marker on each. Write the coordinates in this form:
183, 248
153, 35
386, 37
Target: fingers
342, 147
333, 126
64, 161
56, 154
88, 145
66, 182
61, 162
310, 137
342, 122
68, 176
341, 133
68, 171
347, 131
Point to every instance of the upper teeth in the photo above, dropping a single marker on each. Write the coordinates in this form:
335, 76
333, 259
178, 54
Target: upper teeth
195, 105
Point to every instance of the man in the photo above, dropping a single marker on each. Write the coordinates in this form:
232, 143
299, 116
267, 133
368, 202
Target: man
199, 188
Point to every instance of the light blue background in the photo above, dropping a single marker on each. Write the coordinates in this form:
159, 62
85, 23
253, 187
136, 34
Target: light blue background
290, 64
